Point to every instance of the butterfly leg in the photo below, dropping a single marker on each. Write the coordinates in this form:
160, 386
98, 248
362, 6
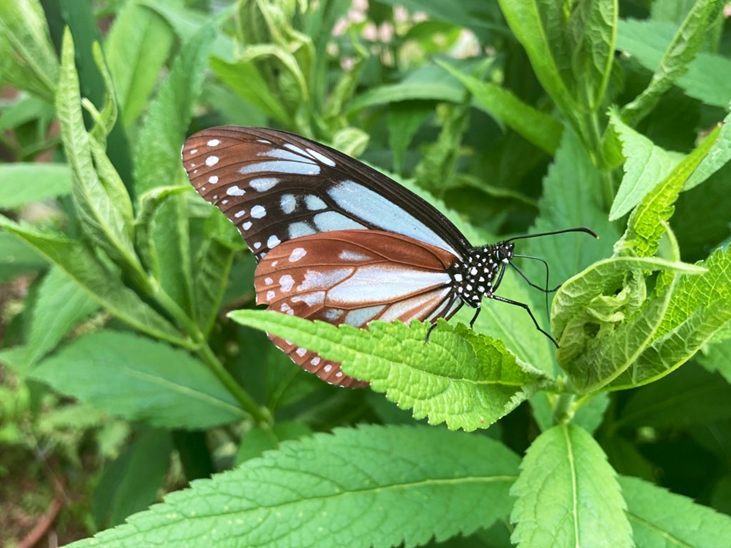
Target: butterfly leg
428, 333
530, 313
474, 318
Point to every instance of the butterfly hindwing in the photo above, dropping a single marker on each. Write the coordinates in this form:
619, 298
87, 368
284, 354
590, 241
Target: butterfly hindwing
354, 277
275, 187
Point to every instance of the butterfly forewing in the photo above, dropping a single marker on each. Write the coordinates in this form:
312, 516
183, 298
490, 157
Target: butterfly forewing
354, 277
275, 187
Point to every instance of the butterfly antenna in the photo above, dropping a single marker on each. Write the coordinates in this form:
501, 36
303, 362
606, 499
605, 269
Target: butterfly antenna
553, 233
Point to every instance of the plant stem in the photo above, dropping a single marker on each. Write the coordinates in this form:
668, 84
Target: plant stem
563, 411
260, 415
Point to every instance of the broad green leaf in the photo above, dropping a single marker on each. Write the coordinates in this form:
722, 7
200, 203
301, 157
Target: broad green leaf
131, 482
718, 358
101, 216
139, 379
404, 120
61, 304
136, 48
625, 457
246, 81
17, 258
661, 519
591, 414
646, 224
690, 396
459, 377
104, 285
568, 494
212, 268
262, 438
705, 79
31, 60
570, 198
674, 63
604, 278
645, 167
535, 126
158, 163
700, 307
313, 493
719, 156
592, 33
26, 109
351, 141
540, 27
25, 183
673, 11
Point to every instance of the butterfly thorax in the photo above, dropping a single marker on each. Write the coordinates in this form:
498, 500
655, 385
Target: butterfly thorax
480, 272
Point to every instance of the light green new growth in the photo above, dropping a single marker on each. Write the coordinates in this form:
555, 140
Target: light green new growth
568, 495
459, 377
367, 486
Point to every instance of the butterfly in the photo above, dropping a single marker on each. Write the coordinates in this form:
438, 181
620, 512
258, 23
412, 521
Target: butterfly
337, 241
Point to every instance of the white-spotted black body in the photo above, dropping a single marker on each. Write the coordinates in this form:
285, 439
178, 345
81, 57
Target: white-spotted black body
481, 272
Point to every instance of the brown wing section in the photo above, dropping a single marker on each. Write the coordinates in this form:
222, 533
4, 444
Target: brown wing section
354, 277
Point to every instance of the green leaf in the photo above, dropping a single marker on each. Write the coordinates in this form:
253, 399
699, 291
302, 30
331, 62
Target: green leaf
461, 378
260, 439
540, 28
139, 379
719, 156
661, 519
646, 224
132, 481
592, 33
246, 81
104, 285
690, 396
674, 63
213, 266
705, 79
646, 166
535, 126
590, 415
25, 183
314, 492
158, 163
29, 62
568, 494
61, 304
718, 358
570, 198
17, 258
136, 48
404, 120
473, 14
101, 216
699, 309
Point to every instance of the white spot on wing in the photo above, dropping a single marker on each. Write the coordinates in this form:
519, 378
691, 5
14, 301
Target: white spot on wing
213, 179
333, 314
211, 161
213, 142
314, 203
235, 191
330, 220
301, 351
288, 203
285, 155
268, 281
324, 159
247, 225
194, 151
285, 283
347, 255
263, 184
281, 166
310, 299
240, 213
297, 230
273, 241
361, 316
258, 211
323, 279
257, 245
328, 368
297, 254
286, 308
270, 295
296, 149
315, 360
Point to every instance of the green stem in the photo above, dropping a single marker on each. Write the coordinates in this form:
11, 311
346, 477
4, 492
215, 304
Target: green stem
594, 135
259, 414
563, 411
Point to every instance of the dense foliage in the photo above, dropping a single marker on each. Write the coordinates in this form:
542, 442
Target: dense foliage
133, 360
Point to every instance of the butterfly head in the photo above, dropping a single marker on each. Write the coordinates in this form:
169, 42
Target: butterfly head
481, 271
